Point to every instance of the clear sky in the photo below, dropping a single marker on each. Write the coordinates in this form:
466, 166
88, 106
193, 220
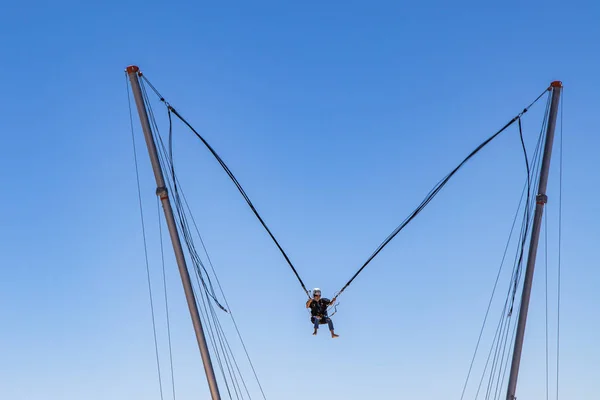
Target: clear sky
337, 117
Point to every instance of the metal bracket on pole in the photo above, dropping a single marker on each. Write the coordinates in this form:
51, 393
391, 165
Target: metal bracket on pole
162, 192
541, 199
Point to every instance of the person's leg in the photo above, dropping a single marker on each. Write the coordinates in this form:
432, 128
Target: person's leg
330, 323
315, 322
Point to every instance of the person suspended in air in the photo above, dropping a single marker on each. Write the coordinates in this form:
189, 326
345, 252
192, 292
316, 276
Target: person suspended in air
318, 311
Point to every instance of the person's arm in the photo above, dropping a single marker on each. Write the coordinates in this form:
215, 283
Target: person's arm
308, 303
329, 303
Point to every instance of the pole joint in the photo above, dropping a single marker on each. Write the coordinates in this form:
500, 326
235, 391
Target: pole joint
162, 192
541, 199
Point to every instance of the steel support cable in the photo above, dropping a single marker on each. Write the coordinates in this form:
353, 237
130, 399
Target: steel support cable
179, 194
506, 318
517, 268
228, 356
164, 275
499, 350
145, 242
176, 186
434, 192
505, 357
164, 161
229, 353
207, 322
493, 292
503, 325
547, 342
526, 189
181, 224
204, 290
151, 111
218, 339
526, 206
221, 289
219, 343
546, 298
496, 336
527, 212
503, 362
184, 230
224, 297
210, 325
510, 345
521, 255
211, 334
505, 321
560, 191
503, 366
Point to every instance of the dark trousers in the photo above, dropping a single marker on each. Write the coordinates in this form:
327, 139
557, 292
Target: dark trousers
319, 320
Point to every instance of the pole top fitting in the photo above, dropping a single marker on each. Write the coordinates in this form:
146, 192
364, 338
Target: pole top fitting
555, 84
132, 69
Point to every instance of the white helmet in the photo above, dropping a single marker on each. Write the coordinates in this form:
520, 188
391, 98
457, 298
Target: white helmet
316, 291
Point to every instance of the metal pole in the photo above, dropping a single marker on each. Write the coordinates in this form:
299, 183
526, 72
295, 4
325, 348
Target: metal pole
161, 191
541, 200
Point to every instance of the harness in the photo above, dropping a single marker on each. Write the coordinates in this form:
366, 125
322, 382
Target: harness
323, 316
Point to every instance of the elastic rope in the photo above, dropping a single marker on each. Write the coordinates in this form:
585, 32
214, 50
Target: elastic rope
434, 192
526, 216
234, 180
243, 193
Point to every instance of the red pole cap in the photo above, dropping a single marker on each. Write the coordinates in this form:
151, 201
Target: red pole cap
556, 84
132, 69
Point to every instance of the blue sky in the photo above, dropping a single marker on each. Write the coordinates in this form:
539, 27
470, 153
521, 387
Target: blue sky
337, 118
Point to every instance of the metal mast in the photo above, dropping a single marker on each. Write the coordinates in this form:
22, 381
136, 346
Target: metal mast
161, 191
541, 200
